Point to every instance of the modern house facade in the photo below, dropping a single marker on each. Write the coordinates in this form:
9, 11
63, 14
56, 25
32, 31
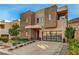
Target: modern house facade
75, 24
46, 24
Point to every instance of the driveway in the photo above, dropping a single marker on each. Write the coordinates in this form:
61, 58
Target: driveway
39, 48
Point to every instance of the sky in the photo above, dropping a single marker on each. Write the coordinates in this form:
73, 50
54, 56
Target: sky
13, 11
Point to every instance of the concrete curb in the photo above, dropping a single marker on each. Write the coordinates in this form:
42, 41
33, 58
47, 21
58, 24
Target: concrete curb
6, 52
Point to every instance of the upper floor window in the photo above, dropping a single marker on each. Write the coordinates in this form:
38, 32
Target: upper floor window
77, 26
26, 20
40, 21
50, 16
37, 20
62, 17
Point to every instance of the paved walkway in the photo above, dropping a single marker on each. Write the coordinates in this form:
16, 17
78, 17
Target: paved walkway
64, 50
40, 48
2, 53
5, 52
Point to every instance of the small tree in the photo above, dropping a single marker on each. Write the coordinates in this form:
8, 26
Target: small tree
69, 33
14, 31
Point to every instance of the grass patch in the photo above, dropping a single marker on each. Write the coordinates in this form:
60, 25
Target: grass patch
19, 41
23, 40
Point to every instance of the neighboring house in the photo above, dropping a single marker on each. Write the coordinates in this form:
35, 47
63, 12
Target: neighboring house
46, 24
4, 28
75, 24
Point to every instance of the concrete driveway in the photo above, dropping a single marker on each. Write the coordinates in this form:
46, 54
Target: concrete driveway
39, 48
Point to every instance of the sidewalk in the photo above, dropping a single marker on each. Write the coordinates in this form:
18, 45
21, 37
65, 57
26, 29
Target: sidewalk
64, 50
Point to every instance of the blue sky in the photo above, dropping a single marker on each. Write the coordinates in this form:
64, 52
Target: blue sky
13, 11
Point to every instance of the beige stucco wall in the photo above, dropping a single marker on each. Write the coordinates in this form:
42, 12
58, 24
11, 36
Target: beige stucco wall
77, 34
6, 28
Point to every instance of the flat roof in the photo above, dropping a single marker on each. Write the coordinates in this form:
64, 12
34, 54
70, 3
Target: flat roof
74, 20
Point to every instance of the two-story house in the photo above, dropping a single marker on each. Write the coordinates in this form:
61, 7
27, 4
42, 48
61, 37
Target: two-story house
45, 24
4, 28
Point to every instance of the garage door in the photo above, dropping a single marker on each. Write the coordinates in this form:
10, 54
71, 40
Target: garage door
5, 36
52, 36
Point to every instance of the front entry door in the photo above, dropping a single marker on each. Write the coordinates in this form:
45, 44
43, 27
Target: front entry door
37, 34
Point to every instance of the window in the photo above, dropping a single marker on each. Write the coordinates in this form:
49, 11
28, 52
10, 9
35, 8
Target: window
50, 17
26, 20
77, 26
1, 26
62, 17
37, 20
40, 20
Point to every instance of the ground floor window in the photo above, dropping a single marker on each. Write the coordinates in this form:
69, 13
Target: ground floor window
52, 36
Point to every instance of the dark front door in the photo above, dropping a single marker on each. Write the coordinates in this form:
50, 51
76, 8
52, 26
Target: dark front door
37, 34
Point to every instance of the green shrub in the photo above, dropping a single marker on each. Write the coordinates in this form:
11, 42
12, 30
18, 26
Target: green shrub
69, 33
73, 46
0, 38
16, 41
23, 40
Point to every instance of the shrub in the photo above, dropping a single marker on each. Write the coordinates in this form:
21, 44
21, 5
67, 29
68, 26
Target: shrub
73, 46
4, 39
0, 38
13, 38
69, 33
23, 40
16, 41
